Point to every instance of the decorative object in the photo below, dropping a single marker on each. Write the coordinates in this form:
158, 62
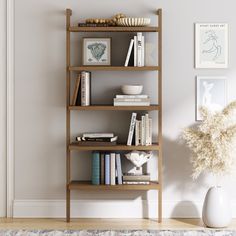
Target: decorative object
213, 142
97, 51
211, 45
211, 93
128, 21
132, 89
138, 158
216, 211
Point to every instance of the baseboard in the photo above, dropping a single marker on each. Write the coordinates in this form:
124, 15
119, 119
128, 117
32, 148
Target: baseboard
105, 209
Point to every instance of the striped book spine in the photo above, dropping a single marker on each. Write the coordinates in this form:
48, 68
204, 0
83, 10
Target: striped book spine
107, 169
95, 168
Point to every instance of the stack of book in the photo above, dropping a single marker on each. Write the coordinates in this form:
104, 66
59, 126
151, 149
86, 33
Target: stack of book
106, 168
136, 48
140, 131
136, 179
97, 139
131, 100
82, 91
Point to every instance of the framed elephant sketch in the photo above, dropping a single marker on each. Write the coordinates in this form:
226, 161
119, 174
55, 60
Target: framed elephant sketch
96, 51
211, 93
211, 45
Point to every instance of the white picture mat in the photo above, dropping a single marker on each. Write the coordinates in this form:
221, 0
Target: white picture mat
214, 93
213, 36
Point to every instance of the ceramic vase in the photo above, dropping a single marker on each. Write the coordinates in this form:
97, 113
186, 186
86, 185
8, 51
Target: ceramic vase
216, 211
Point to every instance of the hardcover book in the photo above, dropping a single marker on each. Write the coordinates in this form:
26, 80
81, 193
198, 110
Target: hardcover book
107, 169
113, 168
95, 168
119, 169
102, 168
131, 128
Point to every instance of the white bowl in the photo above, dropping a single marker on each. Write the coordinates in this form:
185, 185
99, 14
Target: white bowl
128, 21
132, 89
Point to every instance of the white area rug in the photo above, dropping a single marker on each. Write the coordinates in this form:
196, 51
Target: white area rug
117, 233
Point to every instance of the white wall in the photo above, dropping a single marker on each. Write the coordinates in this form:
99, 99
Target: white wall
40, 105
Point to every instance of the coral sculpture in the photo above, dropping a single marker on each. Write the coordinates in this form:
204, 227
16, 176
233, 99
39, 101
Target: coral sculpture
213, 141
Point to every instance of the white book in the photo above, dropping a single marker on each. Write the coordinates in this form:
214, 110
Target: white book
135, 50
85, 88
146, 138
118, 169
129, 52
98, 135
131, 99
139, 49
137, 127
132, 96
143, 130
131, 129
150, 131
143, 51
131, 103
113, 168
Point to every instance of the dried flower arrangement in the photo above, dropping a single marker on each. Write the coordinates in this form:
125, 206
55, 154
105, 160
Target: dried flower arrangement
213, 141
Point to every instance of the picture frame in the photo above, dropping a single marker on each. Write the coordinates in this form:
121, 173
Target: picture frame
211, 93
211, 45
96, 51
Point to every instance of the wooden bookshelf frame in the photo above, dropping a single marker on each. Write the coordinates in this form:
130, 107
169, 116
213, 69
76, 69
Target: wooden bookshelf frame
70, 146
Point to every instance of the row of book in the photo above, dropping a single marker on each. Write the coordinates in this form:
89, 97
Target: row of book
136, 52
82, 91
140, 131
131, 100
107, 169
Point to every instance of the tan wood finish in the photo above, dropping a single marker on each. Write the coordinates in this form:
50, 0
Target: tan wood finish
86, 185
113, 29
154, 147
105, 224
113, 68
114, 108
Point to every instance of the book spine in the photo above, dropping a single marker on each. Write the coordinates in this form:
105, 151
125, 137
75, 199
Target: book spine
146, 130
107, 169
143, 51
140, 132
102, 168
95, 168
97, 139
143, 130
113, 168
98, 135
131, 129
131, 100
119, 169
131, 103
85, 88
132, 96
139, 49
135, 50
136, 182
136, 133
129, 52
150, 131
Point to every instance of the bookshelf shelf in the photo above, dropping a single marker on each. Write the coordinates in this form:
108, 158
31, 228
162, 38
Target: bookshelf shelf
86, 185
118, 147
113, 68
114, 108
113, 29
73, 146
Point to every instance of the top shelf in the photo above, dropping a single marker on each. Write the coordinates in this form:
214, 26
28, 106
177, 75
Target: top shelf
113, 29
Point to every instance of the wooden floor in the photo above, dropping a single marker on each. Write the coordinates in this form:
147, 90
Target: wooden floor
104, 224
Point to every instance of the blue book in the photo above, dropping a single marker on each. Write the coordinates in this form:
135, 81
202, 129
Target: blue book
95, 168
107, 169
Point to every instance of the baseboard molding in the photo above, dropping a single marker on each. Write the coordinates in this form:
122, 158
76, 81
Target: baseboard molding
105, 209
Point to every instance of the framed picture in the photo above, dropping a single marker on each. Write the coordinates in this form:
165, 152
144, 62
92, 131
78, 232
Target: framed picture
211, 93
96, 51
211, 45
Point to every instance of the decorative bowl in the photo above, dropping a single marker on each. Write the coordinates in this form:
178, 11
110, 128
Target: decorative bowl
132, 89
133, 21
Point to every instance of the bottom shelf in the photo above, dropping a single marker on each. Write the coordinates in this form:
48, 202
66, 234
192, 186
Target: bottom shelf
86, 185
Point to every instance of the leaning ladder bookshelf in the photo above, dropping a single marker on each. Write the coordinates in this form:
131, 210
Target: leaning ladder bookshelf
70, 146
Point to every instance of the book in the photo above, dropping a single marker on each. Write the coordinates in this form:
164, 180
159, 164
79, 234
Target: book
136, 177
137, 133
94, 143
113, 168
95, 168
93, 24
118, 169
107, 169
75, 94
98, 135
85, 88
136, 182
131, 129
129, 52
135, 50
99, 139
139, 49
131, 103
102, 168
150, 132
131, 100
132, 96
146, 138
143, 130
143, 51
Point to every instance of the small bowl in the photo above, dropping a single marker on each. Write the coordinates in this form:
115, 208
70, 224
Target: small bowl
132, 89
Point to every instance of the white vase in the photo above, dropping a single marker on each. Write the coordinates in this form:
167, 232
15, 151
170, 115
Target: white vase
216, 211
